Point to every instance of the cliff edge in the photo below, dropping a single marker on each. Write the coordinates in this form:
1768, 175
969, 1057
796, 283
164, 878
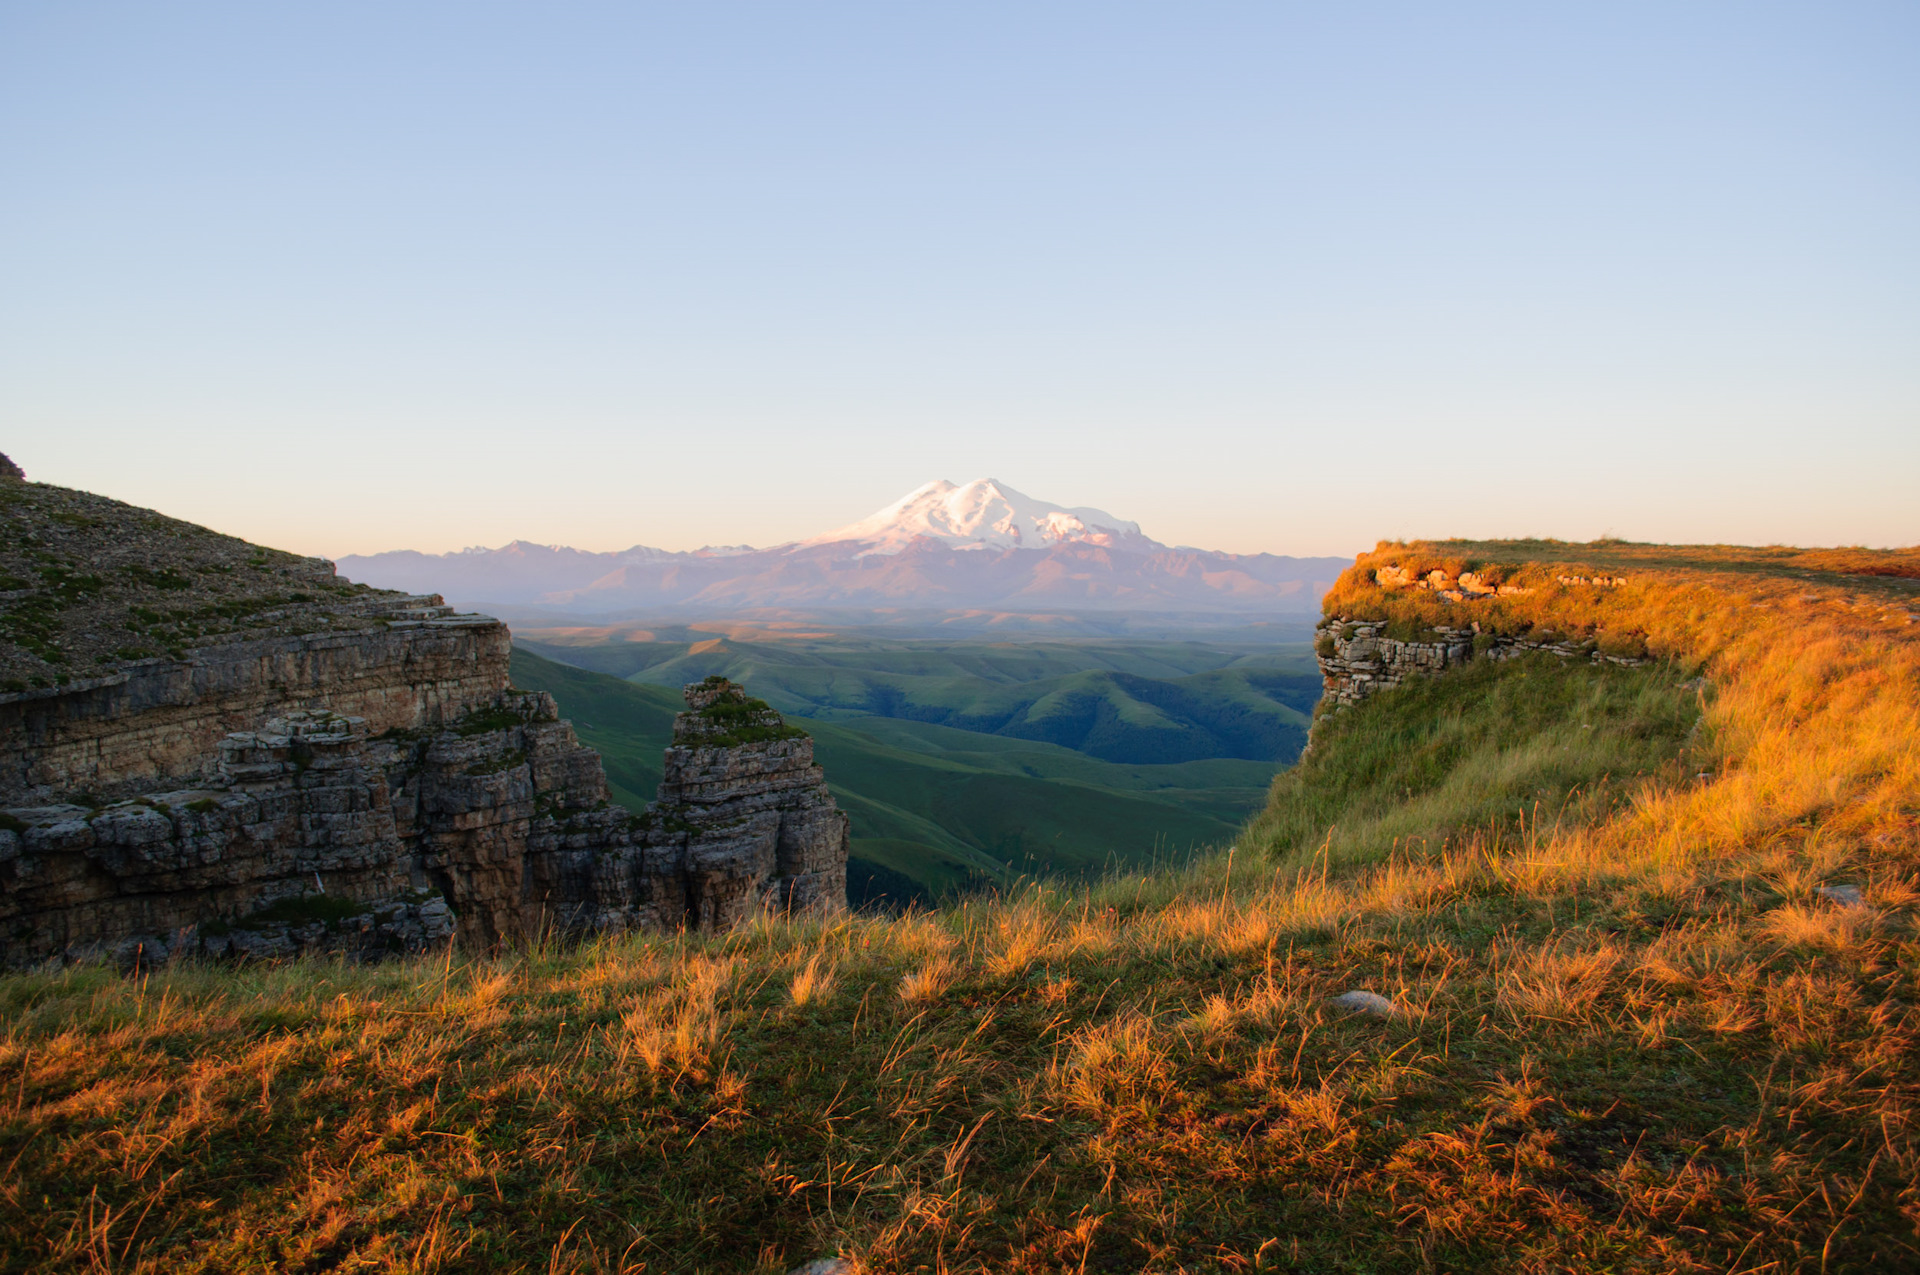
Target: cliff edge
210, 747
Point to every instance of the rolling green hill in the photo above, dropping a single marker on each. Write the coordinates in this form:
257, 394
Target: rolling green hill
1130, 702
934, 808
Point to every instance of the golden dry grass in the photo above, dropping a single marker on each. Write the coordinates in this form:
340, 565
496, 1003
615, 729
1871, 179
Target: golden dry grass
1640, 1042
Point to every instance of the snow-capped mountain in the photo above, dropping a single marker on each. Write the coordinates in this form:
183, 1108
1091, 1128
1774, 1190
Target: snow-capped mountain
978, 547
984, 514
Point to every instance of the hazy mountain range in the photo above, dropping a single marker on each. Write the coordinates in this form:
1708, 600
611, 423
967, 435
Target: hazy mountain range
942, 547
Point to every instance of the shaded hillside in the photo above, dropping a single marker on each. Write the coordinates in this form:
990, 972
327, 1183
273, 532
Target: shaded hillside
89, 584
1132, 702
943, 808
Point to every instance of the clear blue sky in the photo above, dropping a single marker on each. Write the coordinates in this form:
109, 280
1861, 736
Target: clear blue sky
344, 277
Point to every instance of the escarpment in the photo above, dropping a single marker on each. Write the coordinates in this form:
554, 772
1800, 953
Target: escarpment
309, 764
1387, 621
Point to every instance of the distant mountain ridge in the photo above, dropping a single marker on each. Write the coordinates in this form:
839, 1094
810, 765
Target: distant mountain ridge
942, 546
983, 515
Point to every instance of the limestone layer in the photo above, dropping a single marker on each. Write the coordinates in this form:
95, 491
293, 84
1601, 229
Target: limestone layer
210, 747
1357, 658
748, 811
382, 795
411, 664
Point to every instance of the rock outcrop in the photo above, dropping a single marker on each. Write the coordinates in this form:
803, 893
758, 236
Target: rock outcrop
345, 771
748, 810
1358, 658
395, 662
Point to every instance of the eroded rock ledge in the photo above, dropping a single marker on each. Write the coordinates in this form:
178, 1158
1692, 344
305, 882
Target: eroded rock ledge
1358, 657
315, 765
310, 832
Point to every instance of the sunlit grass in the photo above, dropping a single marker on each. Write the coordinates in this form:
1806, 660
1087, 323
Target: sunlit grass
1635, 1037
1495, 751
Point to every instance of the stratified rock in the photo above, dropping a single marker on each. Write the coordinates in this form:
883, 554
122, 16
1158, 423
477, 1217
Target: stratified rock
10, 471
748, 809
1357, 658
335, 768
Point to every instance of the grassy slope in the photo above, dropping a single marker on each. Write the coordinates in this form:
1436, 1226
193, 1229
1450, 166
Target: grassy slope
1640, 1044
942, 807
88, 584
1492, 751
1132, 702
1224, 787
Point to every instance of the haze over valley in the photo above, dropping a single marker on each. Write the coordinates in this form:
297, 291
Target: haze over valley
978, 548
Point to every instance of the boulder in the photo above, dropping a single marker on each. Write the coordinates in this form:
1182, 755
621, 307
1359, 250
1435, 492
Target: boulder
1365, 1002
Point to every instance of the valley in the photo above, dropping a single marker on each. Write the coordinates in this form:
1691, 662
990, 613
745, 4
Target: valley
1561, 959
997, 686
1133, 702
963, 763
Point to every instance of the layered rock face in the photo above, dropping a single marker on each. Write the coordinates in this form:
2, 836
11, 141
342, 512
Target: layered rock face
743, 821
411, 663
750, 811
1357, 658
310, 832
141, 819
370, 784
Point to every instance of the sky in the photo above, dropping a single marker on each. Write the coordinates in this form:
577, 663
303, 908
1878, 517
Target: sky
1278, 277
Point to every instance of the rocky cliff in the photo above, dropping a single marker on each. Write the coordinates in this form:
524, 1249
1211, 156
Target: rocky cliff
746, 810
311, 764
1361, 653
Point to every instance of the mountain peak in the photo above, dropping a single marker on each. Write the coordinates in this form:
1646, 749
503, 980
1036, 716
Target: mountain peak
983, 514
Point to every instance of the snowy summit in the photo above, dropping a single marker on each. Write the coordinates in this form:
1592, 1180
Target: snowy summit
940, 548
984, 514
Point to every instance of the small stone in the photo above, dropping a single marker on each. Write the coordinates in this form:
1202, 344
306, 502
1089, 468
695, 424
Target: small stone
1847, 896
1366, 1003
825, 1266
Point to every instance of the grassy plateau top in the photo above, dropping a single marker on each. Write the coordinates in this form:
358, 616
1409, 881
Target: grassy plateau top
1647, 952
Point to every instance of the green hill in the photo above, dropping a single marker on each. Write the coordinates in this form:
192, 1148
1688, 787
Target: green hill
1133, 702
934, 808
